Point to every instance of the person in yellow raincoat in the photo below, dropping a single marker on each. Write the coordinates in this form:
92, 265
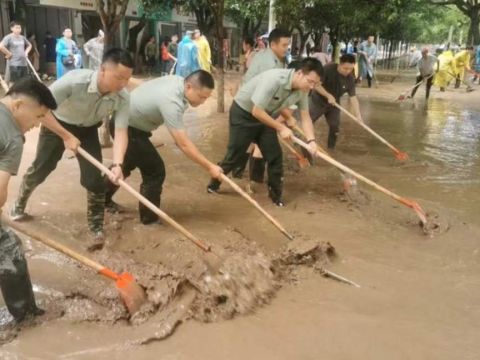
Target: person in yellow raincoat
204, 53
446, 70
462, 64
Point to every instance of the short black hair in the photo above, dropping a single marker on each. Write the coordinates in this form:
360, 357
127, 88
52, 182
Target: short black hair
14, 23
278, 33
249, 41
118, 56
33, 89
347, 58
201, 78
307, 65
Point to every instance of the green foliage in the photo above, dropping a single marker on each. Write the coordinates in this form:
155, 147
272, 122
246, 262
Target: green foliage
248, 15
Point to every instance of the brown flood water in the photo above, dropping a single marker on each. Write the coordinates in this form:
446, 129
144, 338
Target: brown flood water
419, 295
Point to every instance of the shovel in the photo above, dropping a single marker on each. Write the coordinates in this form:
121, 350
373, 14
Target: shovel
146, 202
302, 161
270, 218
132, 294
33, 70
401, 156
409, 203
405, 93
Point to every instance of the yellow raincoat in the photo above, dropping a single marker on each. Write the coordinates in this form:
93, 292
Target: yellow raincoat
447, 69
204, 54
462, 63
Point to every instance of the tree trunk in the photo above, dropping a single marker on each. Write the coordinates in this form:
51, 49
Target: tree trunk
218, 8
474, 31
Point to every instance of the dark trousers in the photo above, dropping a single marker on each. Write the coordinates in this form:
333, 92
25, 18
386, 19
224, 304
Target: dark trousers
18, 72
256, 168
429, 86
14, 277
50, 149
244, 130
332, 115
142, 154
369, 80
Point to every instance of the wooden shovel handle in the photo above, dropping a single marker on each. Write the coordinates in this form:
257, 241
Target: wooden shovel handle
346, 169
33, 70
244, 194
54, 245
146, 202
366, 127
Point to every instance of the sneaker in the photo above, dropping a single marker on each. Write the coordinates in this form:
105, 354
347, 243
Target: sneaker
17, 214
95, 240
470, 89
213, 186
113, 208
250, 187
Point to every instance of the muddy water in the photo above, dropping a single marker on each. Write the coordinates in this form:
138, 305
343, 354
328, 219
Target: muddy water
419, 295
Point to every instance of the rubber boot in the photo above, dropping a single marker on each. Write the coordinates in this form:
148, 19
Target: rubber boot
14, 278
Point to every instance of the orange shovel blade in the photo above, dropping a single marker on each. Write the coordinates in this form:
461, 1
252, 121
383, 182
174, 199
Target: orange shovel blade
401, 156
132, 294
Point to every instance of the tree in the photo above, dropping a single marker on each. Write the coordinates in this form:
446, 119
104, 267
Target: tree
248, 15
471, 8
111, 14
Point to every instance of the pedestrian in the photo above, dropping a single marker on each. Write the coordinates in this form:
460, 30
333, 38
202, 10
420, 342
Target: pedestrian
150, 52
34, 54
167, 58
23, 107
84, 97
66, 49
187, 59
446, 69
324, 58
148, 111
16, 49
425, 71
94, 50
367, 54
259, 43
252, 119
338, 79
204, 53
477, 65
248, 53
172, 49
462, 65
49, 45
271, 58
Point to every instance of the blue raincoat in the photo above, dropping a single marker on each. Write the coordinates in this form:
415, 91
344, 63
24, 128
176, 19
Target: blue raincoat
187, 57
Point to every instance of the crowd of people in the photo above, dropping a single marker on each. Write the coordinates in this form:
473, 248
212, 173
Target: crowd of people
274, 95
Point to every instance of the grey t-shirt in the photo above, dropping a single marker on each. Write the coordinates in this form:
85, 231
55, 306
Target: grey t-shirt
16, 45
158, 101
11, 142
271, 91
262, 61
80, 102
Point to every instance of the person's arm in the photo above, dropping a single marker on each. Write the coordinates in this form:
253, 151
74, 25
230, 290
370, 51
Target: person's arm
189, 149
4, 179
3, 48
322, 91
86, 47
356, 107
69, 140
120, 144
309, 130
262, 116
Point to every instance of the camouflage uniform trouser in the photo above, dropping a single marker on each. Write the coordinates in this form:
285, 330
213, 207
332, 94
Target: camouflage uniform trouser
50, 149
14, 277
